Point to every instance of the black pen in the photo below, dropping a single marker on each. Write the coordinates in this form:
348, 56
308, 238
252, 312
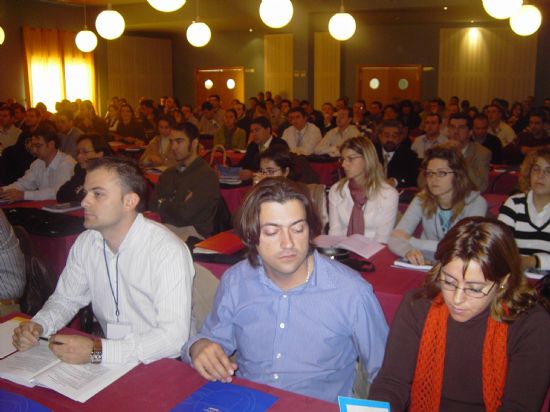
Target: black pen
50, 341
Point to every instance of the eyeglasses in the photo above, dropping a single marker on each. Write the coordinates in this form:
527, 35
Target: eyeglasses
439, 173
538, 170
349, 159
451, 286
270, 171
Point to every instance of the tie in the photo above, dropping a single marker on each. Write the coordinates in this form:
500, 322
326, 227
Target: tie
386, 161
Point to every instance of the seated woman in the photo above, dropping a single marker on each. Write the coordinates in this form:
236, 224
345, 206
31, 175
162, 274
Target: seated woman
448, 197
362, 202
473, 338
88, 147
158, 152
129, 129
528, 213
229, 135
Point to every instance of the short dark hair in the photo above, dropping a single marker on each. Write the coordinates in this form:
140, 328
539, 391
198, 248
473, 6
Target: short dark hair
480, 116
262, 121
398, 124
272, 189
6, 108
190, 130
377, 103
47, 131
349, 110
298, 110
98, 142
281, 157
129, 174
206, 106
166, 118
232, 111
434, 115
461, 116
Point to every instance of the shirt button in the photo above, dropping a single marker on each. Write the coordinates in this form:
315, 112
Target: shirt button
275, 376
278, 356
282, 325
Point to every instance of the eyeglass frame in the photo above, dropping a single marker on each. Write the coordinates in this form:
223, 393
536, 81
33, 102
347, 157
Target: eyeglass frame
439, 174
270, 171
442, 282
545, 171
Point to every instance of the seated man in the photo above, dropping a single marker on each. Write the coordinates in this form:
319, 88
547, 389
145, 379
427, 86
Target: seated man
297, 320
432, 136
187, 194
208, 123
330, 144
46, 174
12, 268
481, 135
8, 132
535, 135
229, 135
136, 273
302, 136
68, 133
399, 162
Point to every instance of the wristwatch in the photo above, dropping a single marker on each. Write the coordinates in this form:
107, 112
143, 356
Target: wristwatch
97, 352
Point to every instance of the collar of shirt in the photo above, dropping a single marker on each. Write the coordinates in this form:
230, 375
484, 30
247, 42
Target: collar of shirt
268, 142
538, 218
389, 154
133, 233
56, 161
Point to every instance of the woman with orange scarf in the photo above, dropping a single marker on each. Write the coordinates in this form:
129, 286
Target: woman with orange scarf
473, 338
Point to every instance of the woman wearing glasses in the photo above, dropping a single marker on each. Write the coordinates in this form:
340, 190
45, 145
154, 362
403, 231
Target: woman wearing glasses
88, 147
473, 338
528, 213
448, 197
362, 202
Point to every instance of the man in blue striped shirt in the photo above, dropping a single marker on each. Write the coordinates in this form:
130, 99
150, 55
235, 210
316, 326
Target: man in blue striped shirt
296, 320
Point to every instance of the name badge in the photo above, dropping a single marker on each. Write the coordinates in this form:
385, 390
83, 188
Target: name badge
118, 330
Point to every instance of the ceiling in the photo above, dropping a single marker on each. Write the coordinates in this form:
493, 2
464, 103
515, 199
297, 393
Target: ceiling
240, 15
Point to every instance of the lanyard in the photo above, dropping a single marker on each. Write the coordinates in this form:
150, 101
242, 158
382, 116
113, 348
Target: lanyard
115, 297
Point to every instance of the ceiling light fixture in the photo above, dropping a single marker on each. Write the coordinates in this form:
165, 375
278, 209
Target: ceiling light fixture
166, 6
526, 21
501, 9
276, 13
110, 24
342, 25
2, 35
85, 40
198, 33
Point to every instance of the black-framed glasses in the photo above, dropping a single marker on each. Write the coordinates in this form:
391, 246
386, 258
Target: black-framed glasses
270, 171
439, 173
471, 292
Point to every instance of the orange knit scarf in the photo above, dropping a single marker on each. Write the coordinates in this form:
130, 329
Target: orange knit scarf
428, 376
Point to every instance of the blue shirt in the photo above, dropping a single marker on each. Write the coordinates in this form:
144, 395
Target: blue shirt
306, 340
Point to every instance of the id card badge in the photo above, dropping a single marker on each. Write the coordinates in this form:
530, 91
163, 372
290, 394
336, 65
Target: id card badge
118, 330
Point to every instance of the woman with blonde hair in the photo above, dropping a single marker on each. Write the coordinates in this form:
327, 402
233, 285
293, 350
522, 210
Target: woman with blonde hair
528, 213
362, 202
448, 197
473, 338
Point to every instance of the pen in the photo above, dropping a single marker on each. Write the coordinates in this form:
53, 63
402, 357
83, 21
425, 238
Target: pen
50, 341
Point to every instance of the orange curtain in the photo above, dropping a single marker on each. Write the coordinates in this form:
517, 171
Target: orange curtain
56, 69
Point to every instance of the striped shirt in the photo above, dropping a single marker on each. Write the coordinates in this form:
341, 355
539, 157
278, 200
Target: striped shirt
531, 228
12, 262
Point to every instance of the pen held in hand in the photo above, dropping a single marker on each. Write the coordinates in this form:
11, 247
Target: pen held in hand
53, 342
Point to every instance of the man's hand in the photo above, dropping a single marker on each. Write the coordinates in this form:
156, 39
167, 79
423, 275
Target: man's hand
211, 362
26, 335
415, 256
12, 195
72, 348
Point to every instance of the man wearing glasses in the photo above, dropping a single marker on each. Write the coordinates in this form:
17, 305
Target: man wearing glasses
46, 174
187, 195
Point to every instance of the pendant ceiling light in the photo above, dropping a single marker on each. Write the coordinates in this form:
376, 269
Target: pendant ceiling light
342, 25
2, 35
110, 24
85, 40
166, 6
526, 21
198, 33
501, 9
276, 13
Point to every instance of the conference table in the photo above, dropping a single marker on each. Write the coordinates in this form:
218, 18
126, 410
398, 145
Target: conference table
159, 386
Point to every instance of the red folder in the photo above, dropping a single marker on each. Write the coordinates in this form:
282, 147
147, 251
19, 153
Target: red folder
226, 243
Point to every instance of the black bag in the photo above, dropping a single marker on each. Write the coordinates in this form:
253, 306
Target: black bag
43, 223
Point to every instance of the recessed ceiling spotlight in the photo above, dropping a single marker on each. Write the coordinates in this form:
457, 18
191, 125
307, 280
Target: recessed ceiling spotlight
250, 30
445, 8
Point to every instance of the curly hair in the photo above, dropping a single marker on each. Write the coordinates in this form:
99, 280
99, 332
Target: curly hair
527, 165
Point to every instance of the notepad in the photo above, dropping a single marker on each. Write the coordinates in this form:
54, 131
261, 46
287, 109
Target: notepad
226, 243
6, 337
347, 404
355, 243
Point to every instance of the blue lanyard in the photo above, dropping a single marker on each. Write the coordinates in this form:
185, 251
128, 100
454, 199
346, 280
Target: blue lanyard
115, 297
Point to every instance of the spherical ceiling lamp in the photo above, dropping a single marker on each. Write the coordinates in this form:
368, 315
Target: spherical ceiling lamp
86, 41
501, 9
341, 26
2, 35
276, 13
208, 84
526, 21
166, 6
110, 24
230, 84
198, 34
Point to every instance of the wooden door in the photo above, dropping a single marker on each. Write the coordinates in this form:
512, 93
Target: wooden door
389, 84
217, 79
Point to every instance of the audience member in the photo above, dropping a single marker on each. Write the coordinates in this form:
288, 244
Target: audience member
313, 116
158, 152
46, 174
329, 120
432, 136
188, 116
517, 119
111, 118
302, 136
208, 123
19, 115
148, 270
268, 307
219, 113
448, 196
8, 132
330, 144
362, 202
481, 135
498, 127
535, 135
12, 268
229, 135
187, 195
528, 213
88, 121
129, 129
67, 132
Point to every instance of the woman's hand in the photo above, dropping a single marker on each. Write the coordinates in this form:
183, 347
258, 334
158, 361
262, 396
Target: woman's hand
415, 257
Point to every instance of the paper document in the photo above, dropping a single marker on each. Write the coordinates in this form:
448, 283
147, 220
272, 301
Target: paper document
6, 337
404, 263
62, 207
536, 273
347, 404
355, 243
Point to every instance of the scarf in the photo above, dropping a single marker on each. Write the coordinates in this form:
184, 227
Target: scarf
428, 376
357, 219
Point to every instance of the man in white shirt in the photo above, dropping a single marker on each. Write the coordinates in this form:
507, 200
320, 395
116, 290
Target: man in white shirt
136, 273
46, 174
432, 136
330, 144
302, 136
8, 132
499, 128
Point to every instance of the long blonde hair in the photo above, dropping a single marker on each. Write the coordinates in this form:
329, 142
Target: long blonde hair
374, 175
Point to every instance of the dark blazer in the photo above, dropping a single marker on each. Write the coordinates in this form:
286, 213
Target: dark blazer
251, 159
493, 143
403, 165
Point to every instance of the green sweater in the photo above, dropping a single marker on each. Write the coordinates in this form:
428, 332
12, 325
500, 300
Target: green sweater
171, 199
